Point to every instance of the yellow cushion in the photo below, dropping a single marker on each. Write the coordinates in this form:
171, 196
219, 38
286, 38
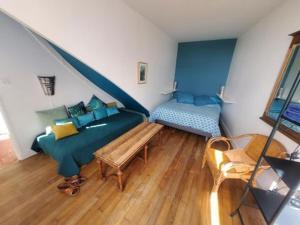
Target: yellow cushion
65, 130
111, 104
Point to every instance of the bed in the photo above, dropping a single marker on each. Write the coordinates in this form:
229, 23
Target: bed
202, 120
74, 151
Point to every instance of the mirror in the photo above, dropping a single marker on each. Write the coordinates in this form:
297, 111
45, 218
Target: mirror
283, 91
290, 125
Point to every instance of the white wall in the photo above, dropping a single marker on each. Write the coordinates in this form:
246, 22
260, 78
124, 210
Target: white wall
22, 59
108, 36
3, 127
256, 63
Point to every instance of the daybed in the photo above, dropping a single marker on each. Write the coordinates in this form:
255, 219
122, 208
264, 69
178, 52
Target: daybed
77, 150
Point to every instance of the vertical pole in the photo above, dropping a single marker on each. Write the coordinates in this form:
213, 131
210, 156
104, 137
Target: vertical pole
269, 141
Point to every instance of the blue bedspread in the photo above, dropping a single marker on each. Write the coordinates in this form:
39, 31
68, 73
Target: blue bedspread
203, 118
74, 151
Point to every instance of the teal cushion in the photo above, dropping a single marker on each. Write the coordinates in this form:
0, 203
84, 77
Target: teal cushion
73, 120
185, 98
94, 103
77, 110
47, 117
86, 119
206, 100
100, 113
112, 111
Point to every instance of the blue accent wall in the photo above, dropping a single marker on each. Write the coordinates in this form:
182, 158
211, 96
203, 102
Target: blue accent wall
101, 82
202, 67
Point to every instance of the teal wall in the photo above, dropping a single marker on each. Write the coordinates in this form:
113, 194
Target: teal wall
202, 67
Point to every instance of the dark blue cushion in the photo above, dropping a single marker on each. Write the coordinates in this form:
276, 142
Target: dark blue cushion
205, 100
77, 110
112, 111
100, 113
86, 119
94, 103
68, 120
183, 97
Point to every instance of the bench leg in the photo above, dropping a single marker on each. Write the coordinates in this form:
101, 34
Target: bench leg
120, 173
146, 153
101, 169
161, 134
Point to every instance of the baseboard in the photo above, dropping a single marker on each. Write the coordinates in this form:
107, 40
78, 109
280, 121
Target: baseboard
228, 133
26, 154
225, 128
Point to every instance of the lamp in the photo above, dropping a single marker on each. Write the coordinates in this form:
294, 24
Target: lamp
48, 84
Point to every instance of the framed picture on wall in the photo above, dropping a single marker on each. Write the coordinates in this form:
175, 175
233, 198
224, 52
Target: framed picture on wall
142, 72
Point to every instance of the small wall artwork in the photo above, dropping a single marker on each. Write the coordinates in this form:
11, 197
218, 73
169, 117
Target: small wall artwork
142, 72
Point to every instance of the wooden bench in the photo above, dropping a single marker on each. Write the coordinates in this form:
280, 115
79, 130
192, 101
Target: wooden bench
118, 153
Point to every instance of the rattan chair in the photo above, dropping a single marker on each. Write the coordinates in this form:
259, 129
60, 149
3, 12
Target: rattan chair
238, 163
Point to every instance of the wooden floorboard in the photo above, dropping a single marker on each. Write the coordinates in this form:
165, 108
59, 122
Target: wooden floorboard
171, 189
7, 155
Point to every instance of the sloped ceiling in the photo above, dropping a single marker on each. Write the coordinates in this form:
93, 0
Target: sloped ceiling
100, 81
195, 20
107, 36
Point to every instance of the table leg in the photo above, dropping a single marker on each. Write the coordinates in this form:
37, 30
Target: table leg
146, 153
120, 173
101, 169
160, 137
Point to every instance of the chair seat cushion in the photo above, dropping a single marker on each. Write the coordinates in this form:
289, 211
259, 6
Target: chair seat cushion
217, 158
239, 155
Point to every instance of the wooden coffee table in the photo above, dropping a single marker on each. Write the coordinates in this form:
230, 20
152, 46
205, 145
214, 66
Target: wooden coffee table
118, 153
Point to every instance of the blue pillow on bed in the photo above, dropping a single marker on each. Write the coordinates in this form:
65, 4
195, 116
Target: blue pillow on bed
86, 119
100, 113
77, 110
216, 99
185, 98
111, 111
205, 100
94, 103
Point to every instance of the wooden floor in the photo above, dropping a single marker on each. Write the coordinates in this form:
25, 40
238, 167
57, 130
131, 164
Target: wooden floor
171, 189
7, 155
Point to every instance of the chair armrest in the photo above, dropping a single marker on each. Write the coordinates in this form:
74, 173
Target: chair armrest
213, 140
242, 167
237, 165
226, 140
